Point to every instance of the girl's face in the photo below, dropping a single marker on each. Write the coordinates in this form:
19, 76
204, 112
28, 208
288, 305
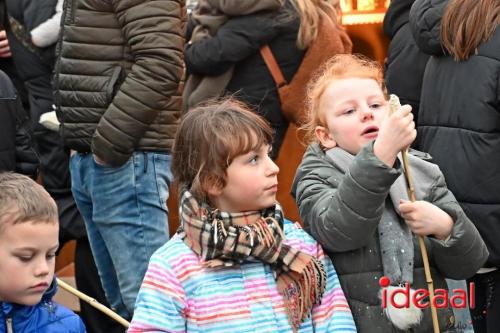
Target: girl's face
352, 110
251, 183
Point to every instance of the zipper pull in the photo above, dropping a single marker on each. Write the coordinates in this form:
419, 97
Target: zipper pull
9, 325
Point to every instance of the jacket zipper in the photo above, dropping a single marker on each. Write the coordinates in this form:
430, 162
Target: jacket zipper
70, 9
9, 325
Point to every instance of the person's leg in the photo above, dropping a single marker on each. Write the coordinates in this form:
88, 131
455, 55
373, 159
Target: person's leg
493, 303
87, 279
82, 176
88, 282
130, 212
71, 225
478, 313
463, 323
54, 159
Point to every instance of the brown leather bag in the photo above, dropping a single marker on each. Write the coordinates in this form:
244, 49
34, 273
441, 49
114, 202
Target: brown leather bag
330, 41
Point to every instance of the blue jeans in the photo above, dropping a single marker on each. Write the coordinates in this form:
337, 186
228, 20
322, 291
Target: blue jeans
462, 316
126, 216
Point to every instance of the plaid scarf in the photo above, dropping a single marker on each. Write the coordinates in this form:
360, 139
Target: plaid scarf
223, 239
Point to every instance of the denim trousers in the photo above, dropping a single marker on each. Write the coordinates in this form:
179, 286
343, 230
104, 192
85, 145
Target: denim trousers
126, 217
463, 323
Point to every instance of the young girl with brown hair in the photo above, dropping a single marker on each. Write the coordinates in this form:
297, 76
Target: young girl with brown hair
236, 264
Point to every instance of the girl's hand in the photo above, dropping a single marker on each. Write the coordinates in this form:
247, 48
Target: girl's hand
396, 133
425, 219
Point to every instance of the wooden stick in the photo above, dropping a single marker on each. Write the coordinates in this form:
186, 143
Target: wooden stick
93, 302
394, 106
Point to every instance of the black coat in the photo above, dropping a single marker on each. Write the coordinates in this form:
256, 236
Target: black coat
237, 43
405, 64
7, 124
36, 73
16, 147
7, 64
459, 121
35, 70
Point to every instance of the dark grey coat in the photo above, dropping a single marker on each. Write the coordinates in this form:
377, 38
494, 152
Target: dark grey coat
7, 124
342, 211
459, 121
405, 63
16, 146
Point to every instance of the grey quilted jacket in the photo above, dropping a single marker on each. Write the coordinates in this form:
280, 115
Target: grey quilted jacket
342, 211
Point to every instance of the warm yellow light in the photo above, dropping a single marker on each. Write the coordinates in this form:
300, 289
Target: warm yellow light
346, 5
363, 11
364, 5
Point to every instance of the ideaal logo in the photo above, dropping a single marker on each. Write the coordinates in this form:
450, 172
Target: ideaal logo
400, 297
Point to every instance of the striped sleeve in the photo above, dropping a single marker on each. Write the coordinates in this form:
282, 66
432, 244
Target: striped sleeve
161, 300
333, 313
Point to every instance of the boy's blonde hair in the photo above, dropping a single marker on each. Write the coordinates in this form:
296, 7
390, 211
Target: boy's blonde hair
23, 200
340, 66
209, 138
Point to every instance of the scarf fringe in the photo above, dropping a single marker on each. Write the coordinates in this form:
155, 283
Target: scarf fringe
301, 291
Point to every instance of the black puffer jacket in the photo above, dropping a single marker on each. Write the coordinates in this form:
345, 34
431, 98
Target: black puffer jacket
117, 76
405, 64
237, 43
459, 121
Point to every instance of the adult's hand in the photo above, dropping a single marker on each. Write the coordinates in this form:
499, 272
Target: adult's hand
4, 45
99, 160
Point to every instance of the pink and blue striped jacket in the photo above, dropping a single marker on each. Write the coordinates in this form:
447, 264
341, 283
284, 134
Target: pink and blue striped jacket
178, 294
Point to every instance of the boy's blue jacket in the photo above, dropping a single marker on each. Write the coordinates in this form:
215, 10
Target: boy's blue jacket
44, 317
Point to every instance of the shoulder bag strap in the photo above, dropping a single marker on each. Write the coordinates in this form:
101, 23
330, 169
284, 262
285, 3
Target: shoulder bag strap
273, 66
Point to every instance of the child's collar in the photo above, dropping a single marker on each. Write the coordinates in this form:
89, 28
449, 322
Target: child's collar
6, 308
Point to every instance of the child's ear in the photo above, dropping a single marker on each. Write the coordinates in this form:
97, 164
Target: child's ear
325, 137
213, 190
213, 187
